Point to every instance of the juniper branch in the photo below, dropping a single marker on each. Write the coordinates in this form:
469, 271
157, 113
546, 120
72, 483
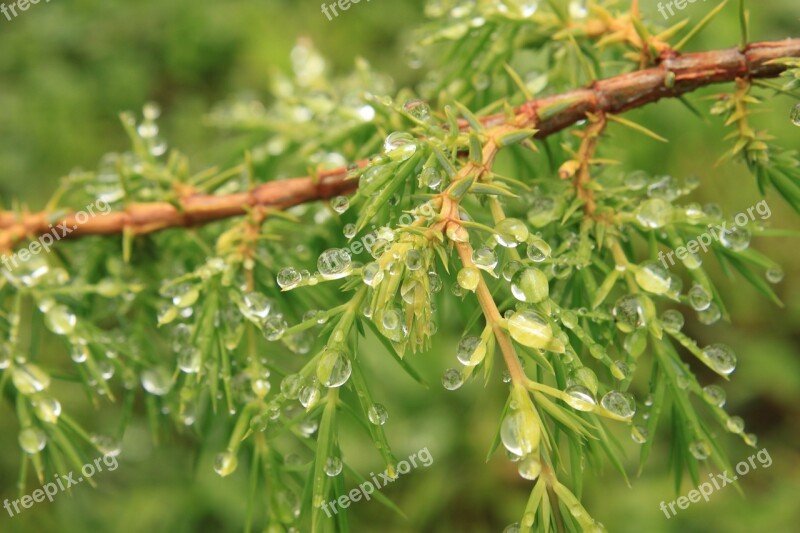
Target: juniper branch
676, 74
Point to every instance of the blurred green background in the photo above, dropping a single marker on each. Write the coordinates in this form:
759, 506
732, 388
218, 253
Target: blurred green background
68, 68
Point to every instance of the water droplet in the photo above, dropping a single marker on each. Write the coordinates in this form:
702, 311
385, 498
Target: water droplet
273, 327
520, 433
700, 450
225, 463
629, 313
391, 319
484, 258
653, 277
29, 379
399, 146
750, 439
654, 213
309, 396
665, 188
413, 260
511, 268
157, 381
333, 466
619, 403
340, 204
578, 9
714, 394
32, 440
709, 316
775, 274
47, 409
189, 360
672, 320
79, 353
418, 109
530, 328
639, 434
637, 180
510, 232
60, 320
372, 274
147, 129
620, 370
721, 358
735, 424
257, 304
736, 238
452, 379
106, 445
470, 351
431, 177
795, 115
538, 251
260, 387
512, 528
349, 230
434, 282
468, 278
529, 468
288, 278
291, 385
377, 414
334, 263
699, 298
333, 368
530, 285
579, 398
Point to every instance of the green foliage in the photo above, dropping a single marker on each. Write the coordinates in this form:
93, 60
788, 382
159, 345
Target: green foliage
258, 323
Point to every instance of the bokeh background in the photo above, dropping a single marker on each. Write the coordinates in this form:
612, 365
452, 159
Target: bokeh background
68, 68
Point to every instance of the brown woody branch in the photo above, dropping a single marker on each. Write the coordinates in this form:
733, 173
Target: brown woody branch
675, 75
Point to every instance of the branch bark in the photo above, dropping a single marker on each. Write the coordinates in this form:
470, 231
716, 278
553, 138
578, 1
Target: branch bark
676, 74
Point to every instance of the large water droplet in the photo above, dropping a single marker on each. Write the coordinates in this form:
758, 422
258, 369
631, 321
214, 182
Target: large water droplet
60, 320
579, 398
511, 232
377, 414
225, 463
520, 433
333, 466
334, 368
29, 379
653, 277
735, 424
399, 146
468, 278
714, 394
529, 468
530, 285
47, 409
699, 298
288, 278
736, 238
157, 381
654, 213
774, 275
700, 449
531, 329
340, 204
334, 263
721, 358
32, 440
672, 320
452, 379
274, 327
309, 396
795, 115
470, 351
629, 313
619, 403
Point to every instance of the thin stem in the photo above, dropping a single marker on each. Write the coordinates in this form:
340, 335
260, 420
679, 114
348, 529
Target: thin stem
675, 75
